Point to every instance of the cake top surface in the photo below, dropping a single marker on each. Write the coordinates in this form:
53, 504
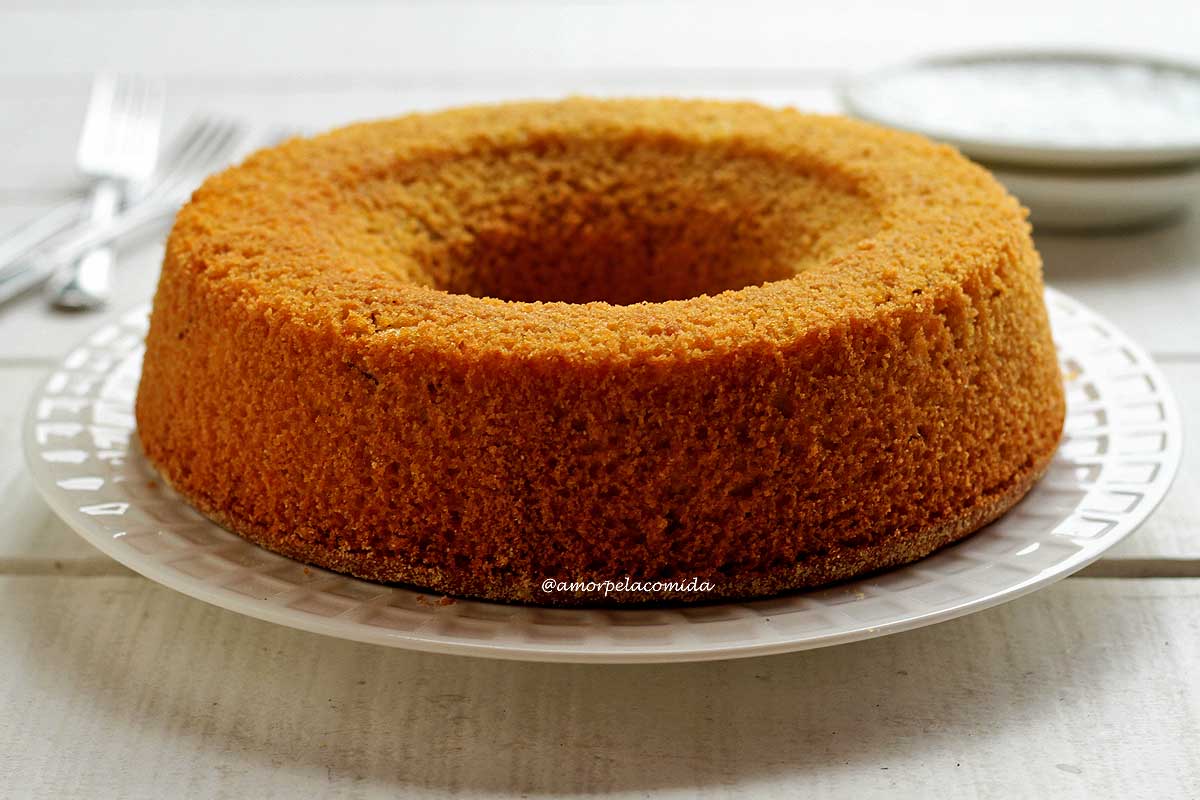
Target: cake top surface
640, 229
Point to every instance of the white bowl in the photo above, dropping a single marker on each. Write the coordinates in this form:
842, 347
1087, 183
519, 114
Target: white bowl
1067, 199
1042, 108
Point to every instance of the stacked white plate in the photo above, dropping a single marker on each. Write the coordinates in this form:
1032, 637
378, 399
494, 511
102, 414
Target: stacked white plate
1085, 140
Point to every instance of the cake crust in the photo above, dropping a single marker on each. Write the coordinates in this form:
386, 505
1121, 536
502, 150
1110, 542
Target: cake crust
589, 340
840, 564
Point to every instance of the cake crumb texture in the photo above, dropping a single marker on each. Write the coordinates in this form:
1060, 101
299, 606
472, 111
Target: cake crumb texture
590, 339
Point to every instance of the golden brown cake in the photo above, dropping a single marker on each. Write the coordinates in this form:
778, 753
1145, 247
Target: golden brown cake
588, 340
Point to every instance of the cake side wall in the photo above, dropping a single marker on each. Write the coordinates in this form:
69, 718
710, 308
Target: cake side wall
485, 475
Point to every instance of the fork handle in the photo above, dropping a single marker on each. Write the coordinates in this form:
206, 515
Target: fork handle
85, 281
37, 232
36, 266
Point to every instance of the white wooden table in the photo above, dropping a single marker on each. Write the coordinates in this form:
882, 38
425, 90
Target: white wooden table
113, 686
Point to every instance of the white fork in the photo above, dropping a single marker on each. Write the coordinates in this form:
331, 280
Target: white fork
204, 145
117, 149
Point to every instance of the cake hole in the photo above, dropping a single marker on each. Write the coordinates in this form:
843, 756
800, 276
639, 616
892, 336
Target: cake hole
610, 220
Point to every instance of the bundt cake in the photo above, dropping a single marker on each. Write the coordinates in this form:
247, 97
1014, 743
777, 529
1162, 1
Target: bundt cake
502, 352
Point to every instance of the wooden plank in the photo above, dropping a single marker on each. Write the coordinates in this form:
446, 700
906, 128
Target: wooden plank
1146, 281
116, 687
30, 331
1173, 531
32, 538
351, 38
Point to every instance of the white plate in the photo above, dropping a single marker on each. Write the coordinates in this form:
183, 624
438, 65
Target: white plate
1094, 200
1042, 108
1120, 450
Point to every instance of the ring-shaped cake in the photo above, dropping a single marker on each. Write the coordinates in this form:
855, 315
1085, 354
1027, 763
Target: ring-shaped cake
514, 352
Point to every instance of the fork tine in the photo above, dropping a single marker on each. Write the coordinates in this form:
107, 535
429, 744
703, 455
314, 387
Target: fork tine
150, 116
118, 129
221, 146
145, 113
193, 136
183, 150
187, 179
220, 140
130, 110
140, 136
99, 108
181, 157
196, 152
200, 153
129, 141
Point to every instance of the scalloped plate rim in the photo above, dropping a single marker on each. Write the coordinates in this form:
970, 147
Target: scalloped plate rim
223, 597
